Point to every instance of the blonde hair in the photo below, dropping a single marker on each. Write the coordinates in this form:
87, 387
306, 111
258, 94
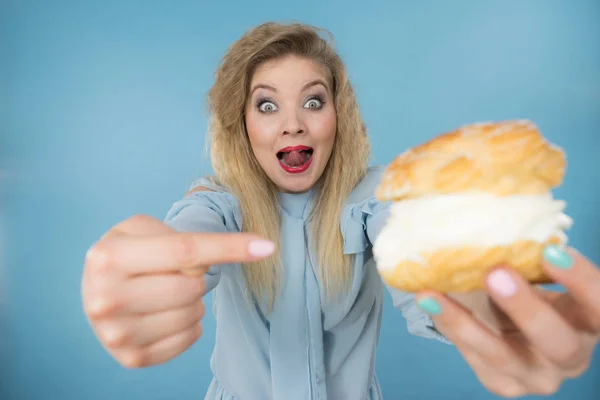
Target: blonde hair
237, 169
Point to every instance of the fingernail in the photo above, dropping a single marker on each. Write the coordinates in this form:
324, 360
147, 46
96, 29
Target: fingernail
502, 283
261, 248
430, 305
558, 257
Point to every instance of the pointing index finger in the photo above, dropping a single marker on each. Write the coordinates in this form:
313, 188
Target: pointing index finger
176, 251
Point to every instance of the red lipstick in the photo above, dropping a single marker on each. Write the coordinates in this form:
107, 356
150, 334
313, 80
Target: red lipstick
297, 169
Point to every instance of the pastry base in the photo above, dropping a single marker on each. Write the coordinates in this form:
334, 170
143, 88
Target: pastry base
465, 269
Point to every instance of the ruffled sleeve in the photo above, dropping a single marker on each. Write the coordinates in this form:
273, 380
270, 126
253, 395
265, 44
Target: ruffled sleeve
363, 218
206, 211
357, 224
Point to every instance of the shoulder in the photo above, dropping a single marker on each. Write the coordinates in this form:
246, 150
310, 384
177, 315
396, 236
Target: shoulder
206, 184
198, 189
365, 190
209, 189
205, 195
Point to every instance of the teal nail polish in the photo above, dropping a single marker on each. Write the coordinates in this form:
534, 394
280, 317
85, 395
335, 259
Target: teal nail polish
558, 257
430, 305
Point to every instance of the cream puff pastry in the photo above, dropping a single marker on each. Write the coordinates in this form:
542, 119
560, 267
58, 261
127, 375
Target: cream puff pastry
468, 201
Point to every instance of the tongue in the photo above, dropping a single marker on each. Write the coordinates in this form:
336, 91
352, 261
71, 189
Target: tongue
294, 158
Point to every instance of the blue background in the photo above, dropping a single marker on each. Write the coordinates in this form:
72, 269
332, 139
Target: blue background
103, 116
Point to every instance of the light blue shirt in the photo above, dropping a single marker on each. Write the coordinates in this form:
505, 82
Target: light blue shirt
304, 349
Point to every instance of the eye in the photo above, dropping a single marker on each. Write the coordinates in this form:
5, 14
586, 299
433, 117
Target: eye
314, 103
266, 106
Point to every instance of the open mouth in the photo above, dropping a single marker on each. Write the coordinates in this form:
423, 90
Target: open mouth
295, 159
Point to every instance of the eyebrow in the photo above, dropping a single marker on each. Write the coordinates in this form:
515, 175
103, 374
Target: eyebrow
307, 86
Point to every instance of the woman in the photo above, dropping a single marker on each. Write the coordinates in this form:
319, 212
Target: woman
283, 234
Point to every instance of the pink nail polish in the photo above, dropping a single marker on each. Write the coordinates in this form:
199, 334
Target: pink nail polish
261, 248
502, 283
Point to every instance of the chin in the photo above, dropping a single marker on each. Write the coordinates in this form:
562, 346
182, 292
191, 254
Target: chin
295, 184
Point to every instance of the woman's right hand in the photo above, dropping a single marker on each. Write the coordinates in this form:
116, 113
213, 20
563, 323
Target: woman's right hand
143, 284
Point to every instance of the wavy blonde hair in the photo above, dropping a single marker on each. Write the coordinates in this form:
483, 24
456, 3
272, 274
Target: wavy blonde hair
236, 167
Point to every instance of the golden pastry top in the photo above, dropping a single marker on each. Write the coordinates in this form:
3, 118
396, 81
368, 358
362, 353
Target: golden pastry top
503, 158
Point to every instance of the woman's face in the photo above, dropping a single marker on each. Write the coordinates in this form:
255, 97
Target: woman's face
291, 121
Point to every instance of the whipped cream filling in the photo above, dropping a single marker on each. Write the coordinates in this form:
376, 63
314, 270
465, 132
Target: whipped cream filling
428, 223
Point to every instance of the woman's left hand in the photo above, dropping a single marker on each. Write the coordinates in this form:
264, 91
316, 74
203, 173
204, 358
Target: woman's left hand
551, 336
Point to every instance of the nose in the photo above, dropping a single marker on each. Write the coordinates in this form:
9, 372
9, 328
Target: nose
293, 124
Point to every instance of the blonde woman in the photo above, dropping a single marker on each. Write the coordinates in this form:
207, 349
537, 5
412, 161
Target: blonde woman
282, 236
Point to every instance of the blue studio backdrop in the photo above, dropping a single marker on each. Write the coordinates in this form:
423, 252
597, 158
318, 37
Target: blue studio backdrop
102, 116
